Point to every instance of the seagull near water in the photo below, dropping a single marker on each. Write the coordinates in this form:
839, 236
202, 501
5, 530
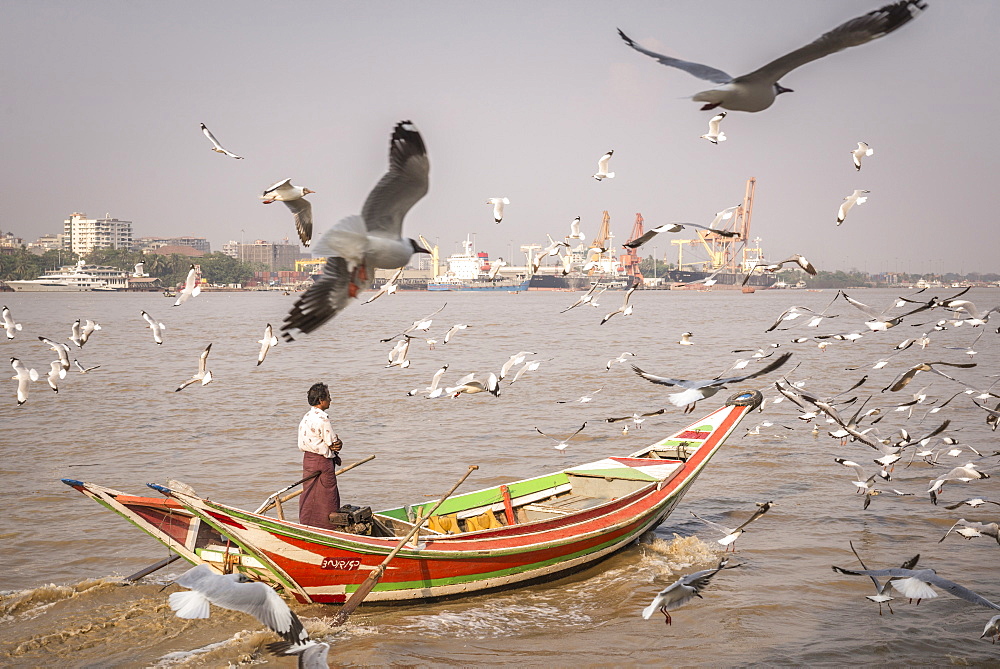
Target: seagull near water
561, 444
623, 358
266, 342
203, 374
917, 584
860, 152
156, 327
602, 167
855, 198
387, 288
61, 349
81, 333
757, 90
192, 287
218, 148
696, 390
714, 135
56, 372
682, 591
84, 370
432, 390
731, 534
236, 592
23, 375
498, 205
625, 309
294, 198
8, 323
357, 245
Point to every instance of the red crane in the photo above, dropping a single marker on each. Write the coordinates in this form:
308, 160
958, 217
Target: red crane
630, 259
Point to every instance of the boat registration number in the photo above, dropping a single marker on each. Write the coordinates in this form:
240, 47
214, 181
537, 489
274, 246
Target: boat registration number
340, 564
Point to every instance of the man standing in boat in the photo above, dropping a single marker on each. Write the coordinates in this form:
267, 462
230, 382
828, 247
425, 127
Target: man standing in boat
320, 448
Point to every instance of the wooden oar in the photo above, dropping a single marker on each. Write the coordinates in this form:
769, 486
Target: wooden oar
270, 502
369, 583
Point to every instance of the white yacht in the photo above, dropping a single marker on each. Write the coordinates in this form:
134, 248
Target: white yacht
74, 278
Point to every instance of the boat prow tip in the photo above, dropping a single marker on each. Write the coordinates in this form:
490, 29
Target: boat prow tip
72, 482
159, 488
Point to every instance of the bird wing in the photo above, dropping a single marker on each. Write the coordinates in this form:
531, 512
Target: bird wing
211, 137
959, 591
760, 372
661, 380
402, 186
303, 211
756, 514
857, 31
322, 301
719, 528
863, 307
203, 360
697, 69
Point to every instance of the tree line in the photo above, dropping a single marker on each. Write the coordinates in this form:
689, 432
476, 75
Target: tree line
171, 269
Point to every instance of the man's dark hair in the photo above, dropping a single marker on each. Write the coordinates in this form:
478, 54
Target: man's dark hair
317, 393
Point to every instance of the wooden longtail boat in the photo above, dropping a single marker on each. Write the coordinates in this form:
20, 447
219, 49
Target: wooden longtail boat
504, 535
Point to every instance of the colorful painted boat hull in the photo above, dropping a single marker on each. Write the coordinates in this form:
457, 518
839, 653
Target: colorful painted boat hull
555, 523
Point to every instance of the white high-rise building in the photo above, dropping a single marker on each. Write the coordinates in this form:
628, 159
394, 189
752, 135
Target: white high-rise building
82, 235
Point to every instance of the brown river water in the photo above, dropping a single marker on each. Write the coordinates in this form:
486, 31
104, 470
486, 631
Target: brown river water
62, 556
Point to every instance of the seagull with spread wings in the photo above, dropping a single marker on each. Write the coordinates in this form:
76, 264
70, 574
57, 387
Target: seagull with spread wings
700, 389
358, 244
682, 591
218, 148
294, 198
757, 90
731, 534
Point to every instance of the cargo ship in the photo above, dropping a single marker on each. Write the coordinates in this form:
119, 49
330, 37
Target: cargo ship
472, 270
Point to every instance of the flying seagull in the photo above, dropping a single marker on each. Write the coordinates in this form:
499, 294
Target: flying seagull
675, 227
191, 287
731, 534
880, 597
8, 323
700, 389
61, 349
860, 152
432, 390
854, 198
358, 244
757, 90
561, 444
156, 327
498, 205
574, 230
682, 591
218, 148
266, 342
387, 288
84, 370
294, 198
916, 584
602, 167
203, 374
56, 372
23, 376
625, 309
714, 135
237, 592
796, 258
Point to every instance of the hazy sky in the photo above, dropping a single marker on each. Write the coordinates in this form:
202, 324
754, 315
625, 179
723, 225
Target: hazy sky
101, 103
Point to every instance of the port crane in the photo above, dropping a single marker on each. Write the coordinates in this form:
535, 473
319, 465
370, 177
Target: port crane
727, 253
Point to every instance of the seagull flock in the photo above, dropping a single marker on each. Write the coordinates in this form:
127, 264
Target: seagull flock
357, 245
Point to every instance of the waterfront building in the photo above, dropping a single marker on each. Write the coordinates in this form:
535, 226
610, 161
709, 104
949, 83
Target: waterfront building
81, 235
153, 244
47, 242
274, 256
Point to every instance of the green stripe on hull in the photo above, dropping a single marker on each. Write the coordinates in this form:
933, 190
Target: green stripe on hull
471, 578
486, 497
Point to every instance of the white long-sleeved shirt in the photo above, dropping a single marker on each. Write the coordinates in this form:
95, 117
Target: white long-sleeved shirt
316, 433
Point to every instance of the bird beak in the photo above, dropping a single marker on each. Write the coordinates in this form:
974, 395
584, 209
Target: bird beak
306, 191
779, 89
